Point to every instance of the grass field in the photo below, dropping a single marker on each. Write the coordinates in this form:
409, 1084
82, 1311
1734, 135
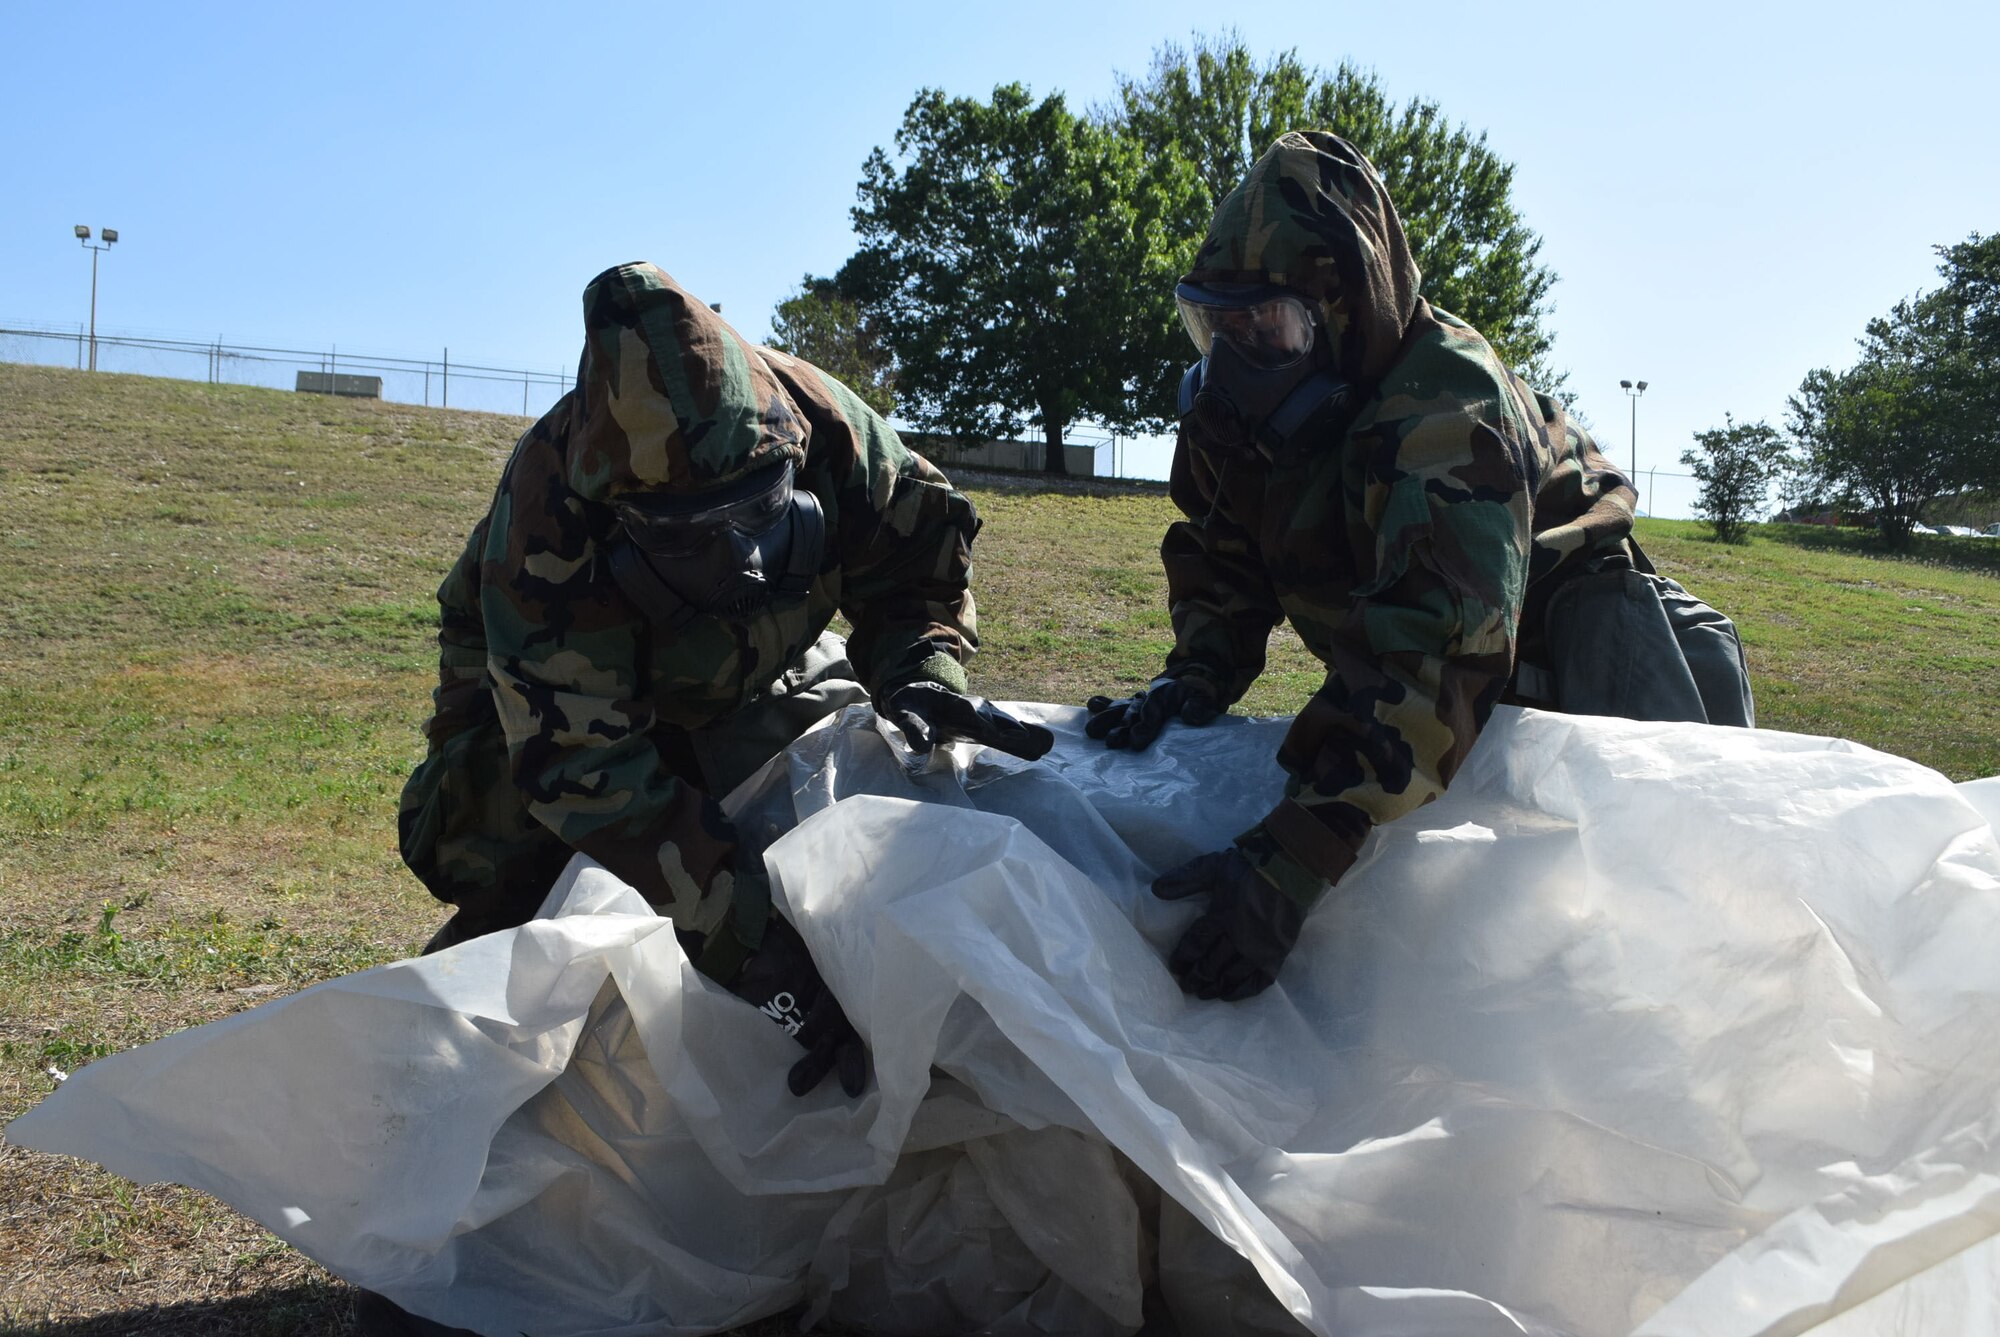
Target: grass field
216, 649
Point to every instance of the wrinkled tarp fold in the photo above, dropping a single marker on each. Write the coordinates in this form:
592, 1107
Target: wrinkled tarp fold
1640, 1029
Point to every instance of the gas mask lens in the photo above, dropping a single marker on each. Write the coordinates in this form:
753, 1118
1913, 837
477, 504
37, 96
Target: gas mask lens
678, 525
1272, 330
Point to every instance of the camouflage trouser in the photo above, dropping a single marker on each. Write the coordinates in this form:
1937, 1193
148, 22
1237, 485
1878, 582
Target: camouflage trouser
465, 828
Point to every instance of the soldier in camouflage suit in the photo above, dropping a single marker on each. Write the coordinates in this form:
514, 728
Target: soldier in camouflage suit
640, 620
1355, 460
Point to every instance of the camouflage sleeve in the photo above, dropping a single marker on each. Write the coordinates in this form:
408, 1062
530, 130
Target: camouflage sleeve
461, 636
1222, 603
1420, 655
904, 537
565, 653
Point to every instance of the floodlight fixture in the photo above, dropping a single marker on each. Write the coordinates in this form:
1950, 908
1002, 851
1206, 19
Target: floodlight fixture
1633, 395
109, 235
1642, 384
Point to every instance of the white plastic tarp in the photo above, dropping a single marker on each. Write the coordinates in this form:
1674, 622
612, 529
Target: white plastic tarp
1651, 1029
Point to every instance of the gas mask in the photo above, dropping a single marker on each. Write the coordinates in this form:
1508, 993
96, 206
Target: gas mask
730, 553
1266, 374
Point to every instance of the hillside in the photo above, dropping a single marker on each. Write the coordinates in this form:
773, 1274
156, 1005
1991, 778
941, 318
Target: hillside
216, 650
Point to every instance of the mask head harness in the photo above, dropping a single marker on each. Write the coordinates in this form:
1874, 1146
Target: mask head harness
1266, 374
731, 552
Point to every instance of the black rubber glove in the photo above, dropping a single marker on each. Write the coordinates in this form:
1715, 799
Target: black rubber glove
930, 713
1238, 945
784, 984
1135, 721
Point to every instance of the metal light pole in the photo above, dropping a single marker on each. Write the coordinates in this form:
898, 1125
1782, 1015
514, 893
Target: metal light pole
1633, 395
110, 235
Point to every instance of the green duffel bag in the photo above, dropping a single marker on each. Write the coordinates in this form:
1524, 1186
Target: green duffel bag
1623, 640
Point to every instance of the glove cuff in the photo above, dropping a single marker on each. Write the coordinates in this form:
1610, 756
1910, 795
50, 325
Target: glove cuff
1275, 865
1196, 678
1323, 837
937, 667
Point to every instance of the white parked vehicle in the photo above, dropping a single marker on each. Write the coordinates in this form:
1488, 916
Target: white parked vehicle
1961, 531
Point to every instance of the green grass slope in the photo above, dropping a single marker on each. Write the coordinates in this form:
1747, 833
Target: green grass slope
216, 649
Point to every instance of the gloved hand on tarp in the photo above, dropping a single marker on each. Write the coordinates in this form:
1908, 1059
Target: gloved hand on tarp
1235, 949
1135, 721
782, 982
929, 713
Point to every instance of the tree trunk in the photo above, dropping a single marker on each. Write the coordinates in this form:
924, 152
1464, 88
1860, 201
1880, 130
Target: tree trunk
1052, 437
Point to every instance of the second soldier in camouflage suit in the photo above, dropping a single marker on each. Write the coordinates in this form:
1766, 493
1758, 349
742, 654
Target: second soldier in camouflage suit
1363, 464
640, 620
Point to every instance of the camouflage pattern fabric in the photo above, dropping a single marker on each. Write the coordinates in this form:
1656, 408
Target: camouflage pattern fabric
564, 719
1406, 551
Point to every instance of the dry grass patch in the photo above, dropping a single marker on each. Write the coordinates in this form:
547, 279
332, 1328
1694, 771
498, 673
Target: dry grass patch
1898, 651
216, 646
1072, 601
170, 1260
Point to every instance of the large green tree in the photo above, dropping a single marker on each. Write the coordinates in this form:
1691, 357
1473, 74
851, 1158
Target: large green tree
1971, 271
1016, 259
1915, 418
1216, 106
1960, 333
827, 328
1869, 437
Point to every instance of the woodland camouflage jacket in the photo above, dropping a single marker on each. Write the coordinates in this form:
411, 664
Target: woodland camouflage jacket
1405, 551
590, 695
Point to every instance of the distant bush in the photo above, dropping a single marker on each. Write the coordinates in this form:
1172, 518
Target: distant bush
1735, 466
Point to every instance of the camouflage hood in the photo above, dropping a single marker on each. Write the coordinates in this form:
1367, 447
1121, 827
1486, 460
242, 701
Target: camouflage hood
1313, 216
669, 397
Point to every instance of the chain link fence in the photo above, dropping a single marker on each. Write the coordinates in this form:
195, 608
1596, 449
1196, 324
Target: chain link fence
445, 383
439, 382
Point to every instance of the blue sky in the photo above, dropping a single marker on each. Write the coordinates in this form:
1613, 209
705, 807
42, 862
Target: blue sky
1727, 192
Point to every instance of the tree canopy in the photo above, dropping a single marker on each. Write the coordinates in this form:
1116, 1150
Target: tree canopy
1915, 418
1013, 257
1018, 259
1218, 108
828, 329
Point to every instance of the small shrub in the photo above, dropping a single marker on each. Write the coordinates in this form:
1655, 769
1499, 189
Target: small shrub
1735, 466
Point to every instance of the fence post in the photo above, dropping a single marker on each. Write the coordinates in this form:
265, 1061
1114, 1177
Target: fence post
217, 352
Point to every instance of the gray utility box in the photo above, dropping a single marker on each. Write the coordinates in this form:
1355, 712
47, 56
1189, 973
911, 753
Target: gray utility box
354, 387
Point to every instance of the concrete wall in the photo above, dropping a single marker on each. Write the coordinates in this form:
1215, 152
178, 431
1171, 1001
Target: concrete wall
1014, 456
353, 387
